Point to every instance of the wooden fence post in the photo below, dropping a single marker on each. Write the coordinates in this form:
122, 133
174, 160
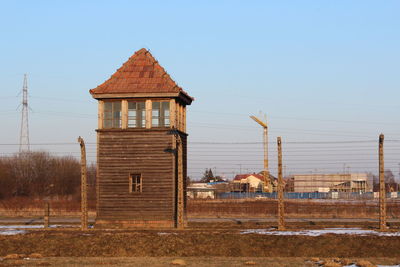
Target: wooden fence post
281, 211
180, 208
46, 215
84, 215
382, 189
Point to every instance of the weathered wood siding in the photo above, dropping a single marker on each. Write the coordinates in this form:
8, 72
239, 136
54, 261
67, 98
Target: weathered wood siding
145, 151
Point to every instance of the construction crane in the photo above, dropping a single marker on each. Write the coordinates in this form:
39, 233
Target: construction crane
263, 124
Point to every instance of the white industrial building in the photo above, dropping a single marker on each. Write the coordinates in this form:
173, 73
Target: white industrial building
347, 182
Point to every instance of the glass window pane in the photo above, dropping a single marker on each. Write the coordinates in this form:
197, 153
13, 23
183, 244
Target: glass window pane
117, 105
136, 114
107, 106
132, 105
107, 123
117, 114
165, 106
155, 114
135, 181
143, 120
132, 114
112, 114
107, 115
164, 116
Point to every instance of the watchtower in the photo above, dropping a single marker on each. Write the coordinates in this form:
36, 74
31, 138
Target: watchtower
141, 146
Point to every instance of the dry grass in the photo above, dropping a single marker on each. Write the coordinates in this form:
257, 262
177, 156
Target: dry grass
293, 208
25, 207
188, 261
223, 208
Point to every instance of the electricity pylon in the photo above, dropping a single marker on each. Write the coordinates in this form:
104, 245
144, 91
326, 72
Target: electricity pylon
24, 134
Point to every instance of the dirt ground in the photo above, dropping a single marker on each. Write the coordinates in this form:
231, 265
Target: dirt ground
215, 243
194, 243
190, 261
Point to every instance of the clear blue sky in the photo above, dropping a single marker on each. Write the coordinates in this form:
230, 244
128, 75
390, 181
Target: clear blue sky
321, 71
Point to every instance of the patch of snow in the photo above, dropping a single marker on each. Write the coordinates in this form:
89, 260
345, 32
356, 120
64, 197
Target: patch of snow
63, 226
16, 229
355, 265
162, 233
12, 232
20, 226
20, 229
338, 231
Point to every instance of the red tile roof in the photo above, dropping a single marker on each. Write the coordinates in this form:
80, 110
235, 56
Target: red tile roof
140, 74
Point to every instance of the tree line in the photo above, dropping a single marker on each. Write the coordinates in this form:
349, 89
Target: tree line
41, 175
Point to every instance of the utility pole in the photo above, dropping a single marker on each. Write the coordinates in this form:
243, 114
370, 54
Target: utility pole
265, 138
382, 189
281, 211
84, 210
24, 134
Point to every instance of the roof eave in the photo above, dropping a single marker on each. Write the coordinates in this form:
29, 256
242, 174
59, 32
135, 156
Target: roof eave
183, 96
187, 99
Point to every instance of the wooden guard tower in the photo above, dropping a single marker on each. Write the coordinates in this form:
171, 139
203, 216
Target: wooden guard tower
141, 147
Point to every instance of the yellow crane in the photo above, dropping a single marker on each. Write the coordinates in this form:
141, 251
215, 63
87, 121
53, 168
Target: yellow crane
263, 124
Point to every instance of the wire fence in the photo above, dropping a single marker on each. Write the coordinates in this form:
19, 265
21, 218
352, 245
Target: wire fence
308, 160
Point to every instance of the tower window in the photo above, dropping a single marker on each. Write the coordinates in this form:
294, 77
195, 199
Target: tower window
136, 114
160, 114
135, 183
112, 114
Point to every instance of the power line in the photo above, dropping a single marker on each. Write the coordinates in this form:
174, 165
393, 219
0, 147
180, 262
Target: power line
296, 118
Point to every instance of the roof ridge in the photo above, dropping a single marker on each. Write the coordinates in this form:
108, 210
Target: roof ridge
141, 73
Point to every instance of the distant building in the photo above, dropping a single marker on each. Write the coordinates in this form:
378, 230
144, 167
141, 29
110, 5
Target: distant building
351, 186
289, 184
248, 183
201, 191
348, 182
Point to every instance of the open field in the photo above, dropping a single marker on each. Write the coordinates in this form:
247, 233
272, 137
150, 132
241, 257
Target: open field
299, 208
227, 208
230, 214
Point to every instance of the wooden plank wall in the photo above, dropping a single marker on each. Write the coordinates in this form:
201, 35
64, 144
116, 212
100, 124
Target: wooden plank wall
121, 152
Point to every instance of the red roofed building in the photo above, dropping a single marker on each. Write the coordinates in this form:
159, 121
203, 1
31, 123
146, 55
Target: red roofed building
248, 183
141, 146
140, 76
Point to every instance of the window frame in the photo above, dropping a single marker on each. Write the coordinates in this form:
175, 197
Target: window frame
161, 117
133, 180
111, 119
135, 120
